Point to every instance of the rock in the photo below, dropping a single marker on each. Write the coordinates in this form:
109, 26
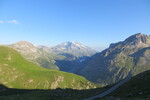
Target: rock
55, 84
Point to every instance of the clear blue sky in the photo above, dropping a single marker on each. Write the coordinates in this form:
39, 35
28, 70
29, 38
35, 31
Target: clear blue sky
95, 23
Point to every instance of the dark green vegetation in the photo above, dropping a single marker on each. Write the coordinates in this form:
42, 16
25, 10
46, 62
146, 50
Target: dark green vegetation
17, 72
55, 94
137, 88
129, 57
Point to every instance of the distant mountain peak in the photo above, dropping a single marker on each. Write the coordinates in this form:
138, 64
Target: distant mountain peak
138, 40
74, 48
24, 47
134, 43
24, 44
70, 45
138, 36
71, 42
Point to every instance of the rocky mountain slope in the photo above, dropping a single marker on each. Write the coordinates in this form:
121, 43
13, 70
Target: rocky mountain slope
131, 56
16, 72
40, 55
27, 49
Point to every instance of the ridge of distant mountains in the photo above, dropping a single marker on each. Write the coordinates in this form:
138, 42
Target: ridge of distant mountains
65, 57
17, 72
128, 57
75, 48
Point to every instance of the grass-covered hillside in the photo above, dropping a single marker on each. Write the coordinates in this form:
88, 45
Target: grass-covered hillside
17, 72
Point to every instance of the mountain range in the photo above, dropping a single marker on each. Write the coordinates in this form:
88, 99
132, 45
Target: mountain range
130, 56
58, 57
19, 69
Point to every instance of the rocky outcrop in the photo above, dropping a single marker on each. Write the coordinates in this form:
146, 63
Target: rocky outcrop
56, 82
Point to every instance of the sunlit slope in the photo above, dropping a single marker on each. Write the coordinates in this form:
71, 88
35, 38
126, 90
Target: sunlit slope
17, 72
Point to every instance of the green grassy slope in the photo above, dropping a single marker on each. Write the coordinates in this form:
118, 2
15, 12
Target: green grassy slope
17, 72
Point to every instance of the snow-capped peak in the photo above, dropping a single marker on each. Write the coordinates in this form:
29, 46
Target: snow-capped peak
74, 48
70, 45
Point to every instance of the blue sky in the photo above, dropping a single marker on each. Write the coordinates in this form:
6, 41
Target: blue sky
95, 23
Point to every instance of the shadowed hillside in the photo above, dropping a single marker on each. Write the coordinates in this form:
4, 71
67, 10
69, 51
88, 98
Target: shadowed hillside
54, 94
137, 88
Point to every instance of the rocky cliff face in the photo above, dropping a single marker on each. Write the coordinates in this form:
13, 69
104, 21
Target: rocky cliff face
119, 60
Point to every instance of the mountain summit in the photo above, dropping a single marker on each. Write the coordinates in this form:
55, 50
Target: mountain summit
138, 40
74, 48
70, 45
24, 44
129, 45
26, 48
57, 57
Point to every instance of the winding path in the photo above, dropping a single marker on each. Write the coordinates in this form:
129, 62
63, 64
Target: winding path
109, 90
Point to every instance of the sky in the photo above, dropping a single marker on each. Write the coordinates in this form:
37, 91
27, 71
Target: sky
95, 23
